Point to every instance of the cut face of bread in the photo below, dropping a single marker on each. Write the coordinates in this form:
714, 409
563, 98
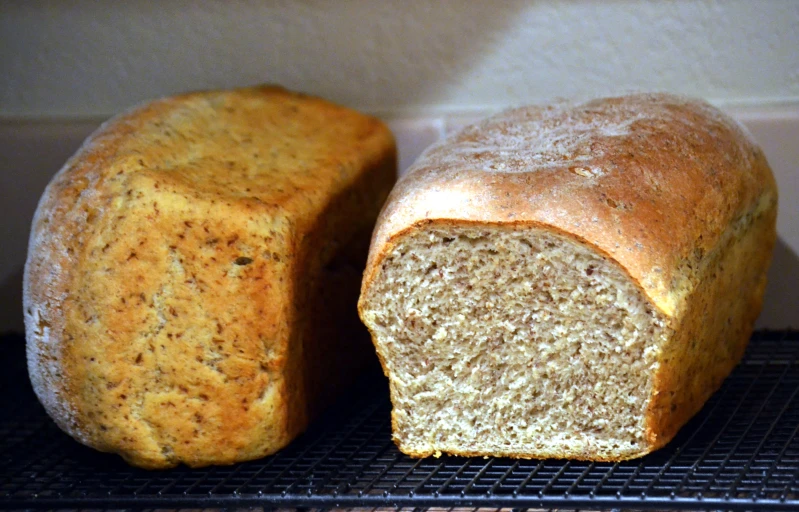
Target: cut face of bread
506, 341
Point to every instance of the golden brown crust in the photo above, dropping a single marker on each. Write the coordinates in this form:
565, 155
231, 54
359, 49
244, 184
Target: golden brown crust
669, 188
176, 264
710, 339
687, 172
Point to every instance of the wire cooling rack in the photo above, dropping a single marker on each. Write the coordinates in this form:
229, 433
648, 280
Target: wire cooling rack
741, 452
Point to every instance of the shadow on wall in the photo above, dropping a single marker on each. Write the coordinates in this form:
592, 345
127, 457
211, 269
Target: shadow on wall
402, 58
370, 55
11, 303
781, 303
30, 152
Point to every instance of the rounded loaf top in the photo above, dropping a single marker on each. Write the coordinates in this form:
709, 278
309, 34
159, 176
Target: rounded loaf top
263, 144
655, 181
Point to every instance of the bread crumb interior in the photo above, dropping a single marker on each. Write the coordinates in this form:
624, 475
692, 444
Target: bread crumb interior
513, 342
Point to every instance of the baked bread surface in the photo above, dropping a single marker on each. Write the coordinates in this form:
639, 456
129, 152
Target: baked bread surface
192, 274
664, 204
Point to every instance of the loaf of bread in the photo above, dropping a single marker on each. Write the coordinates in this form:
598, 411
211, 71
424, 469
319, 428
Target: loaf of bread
569, 281
193, 273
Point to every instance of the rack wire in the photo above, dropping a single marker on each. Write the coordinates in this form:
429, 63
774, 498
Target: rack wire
741, 452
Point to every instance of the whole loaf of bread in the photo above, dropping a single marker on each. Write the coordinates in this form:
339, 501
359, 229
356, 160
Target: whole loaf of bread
193, 271
571, 280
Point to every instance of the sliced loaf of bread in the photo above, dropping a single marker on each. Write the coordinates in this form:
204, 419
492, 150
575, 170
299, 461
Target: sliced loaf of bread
572, 280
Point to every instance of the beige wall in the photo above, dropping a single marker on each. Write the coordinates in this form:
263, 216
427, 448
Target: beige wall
79, 57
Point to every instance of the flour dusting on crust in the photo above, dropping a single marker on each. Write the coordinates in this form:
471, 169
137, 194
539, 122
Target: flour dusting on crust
535, 138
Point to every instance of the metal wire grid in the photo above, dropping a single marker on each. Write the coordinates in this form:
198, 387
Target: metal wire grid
741, 452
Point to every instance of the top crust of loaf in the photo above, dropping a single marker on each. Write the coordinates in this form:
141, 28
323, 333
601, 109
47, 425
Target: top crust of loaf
652, 180
204, 150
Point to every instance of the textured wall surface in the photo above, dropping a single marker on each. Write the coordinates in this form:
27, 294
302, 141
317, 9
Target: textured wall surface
82, 57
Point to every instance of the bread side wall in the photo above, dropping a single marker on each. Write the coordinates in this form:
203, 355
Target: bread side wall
64, 219
711, 337
180, 326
